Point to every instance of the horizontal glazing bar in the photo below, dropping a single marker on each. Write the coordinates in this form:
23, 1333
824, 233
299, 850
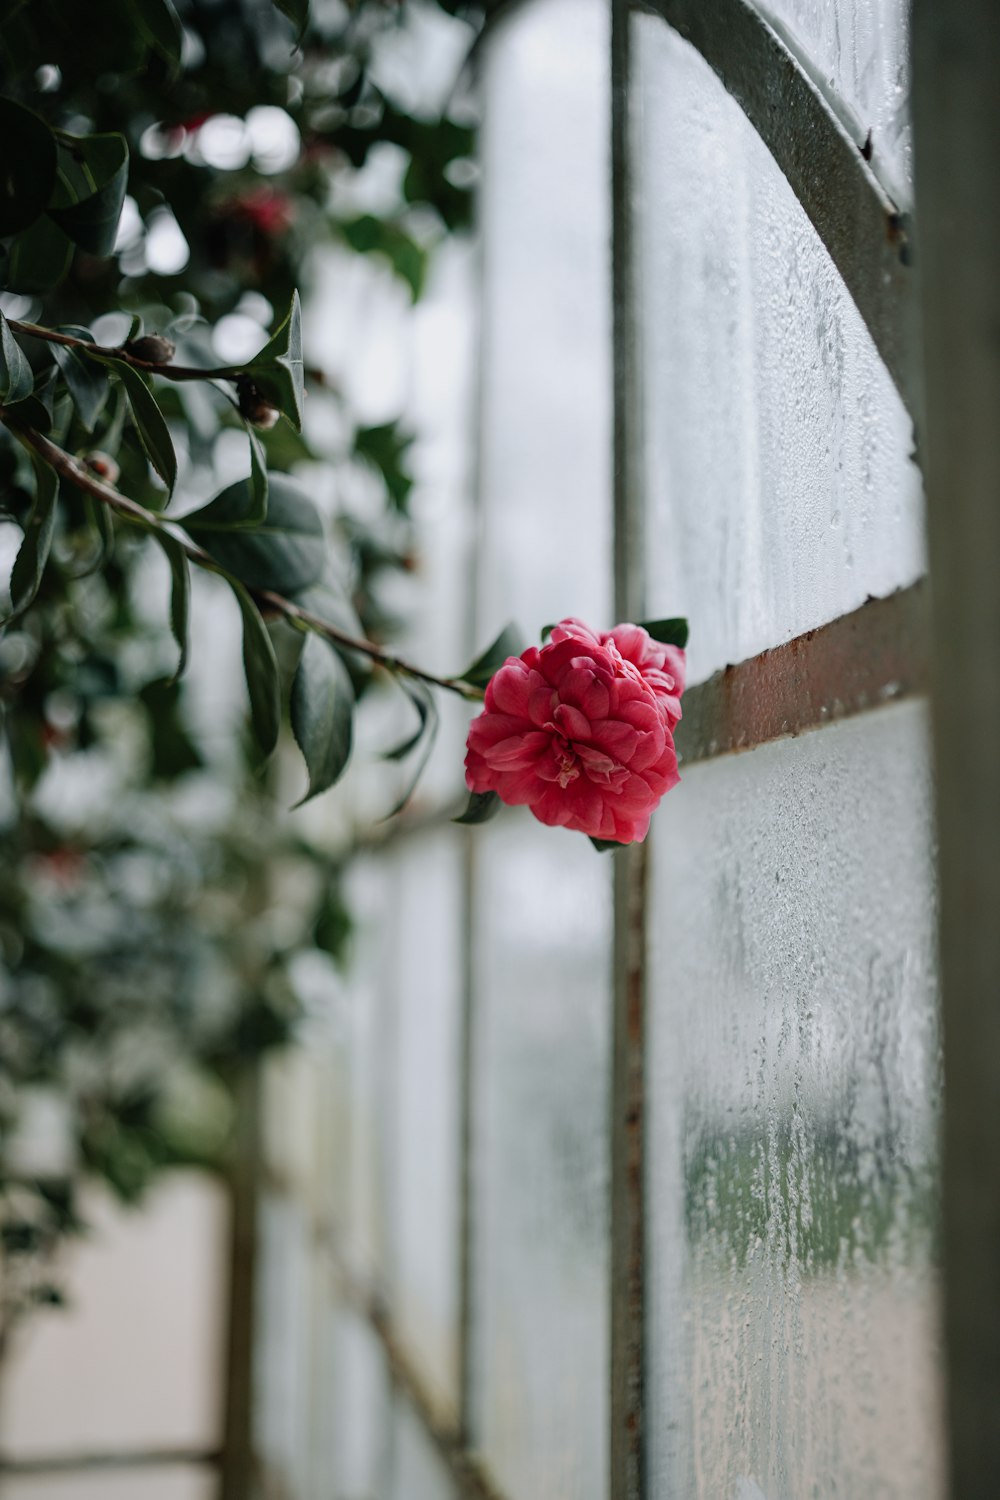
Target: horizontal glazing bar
863, 230
872, 656
83, 1463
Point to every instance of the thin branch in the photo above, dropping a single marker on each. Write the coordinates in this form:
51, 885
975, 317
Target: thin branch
154, 367
78, 474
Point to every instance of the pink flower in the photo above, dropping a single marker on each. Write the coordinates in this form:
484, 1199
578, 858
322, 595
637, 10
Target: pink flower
580, 731
662, 666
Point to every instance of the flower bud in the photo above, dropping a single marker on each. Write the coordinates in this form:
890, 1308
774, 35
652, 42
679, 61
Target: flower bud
153, 348
103, 465
253, 406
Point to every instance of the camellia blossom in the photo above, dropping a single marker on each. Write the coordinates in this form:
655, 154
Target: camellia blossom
581, 730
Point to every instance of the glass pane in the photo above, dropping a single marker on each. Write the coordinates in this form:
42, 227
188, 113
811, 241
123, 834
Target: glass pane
418, 1473
543, 983
427, 980
860, 51
360, 1413
369, 1017
794, 1078
542, 920
780, 485
545, 443
135, 1360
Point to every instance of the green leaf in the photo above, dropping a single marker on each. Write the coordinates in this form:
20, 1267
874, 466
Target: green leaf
424, 704
419, 695
180, 595
277, 369
29, 565
148, 418
101, 521
369, 235
29, 167
482, 806
16, 378
508, 643
386, 447
90, 190
672, 632
322, 714
261, 667
286, 553
161, 26
297, 12
606, 846
87, 384
257, 514
40, 256
38, 409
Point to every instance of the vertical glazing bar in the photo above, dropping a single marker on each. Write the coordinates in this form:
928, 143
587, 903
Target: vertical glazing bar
238, 1475
627, 1166
465, 1164
956, 106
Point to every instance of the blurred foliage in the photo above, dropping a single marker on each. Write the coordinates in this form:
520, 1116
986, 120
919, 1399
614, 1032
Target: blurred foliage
175, 163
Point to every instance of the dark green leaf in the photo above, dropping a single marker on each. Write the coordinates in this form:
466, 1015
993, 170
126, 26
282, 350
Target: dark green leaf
297, 12
547, 631
508, 643
16, 378
322, 713
172, 750
286, 554
330, 603
29, 167
38, 409
180, 595
425, 706
370, 235
86, 382
149, 420
277, 370
40, 256
482, 806
29, 565
102, 523
257, 514
160, 25
668, 632
386, 447
90, 190
261, 667
606, 846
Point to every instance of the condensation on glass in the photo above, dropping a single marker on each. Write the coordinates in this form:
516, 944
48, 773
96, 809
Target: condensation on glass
859, 53
426, 980
794, 1077
781, 489
541, 922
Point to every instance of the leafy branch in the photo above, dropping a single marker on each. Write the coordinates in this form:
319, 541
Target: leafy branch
76, 473
123, 352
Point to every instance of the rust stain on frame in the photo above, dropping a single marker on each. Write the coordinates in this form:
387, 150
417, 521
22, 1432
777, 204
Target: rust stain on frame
875, 655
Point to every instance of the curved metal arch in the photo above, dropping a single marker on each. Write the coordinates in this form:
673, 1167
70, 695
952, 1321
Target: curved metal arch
864, 231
